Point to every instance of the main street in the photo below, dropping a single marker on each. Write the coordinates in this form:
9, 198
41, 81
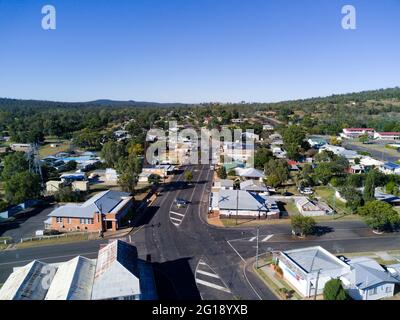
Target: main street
193, 260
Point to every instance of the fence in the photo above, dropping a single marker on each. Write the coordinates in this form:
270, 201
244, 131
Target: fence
57, 236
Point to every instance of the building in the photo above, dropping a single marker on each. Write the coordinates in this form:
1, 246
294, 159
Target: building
268, 127
352, 133
311, 208
238, 151
225, 184
316, 142
162, 170
390, 168
243, 204
116, 274
102, 212
53, 186
250, 173
340, 151
356, 169
75, 176
21, 147
368, 280
254, 186
387, 136
368, 162
4, 150
302, 268
111, 175
83, 186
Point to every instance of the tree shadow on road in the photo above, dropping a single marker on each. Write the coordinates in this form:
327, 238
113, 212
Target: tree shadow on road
322, 230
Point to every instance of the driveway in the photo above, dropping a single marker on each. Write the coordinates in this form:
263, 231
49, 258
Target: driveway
26, 223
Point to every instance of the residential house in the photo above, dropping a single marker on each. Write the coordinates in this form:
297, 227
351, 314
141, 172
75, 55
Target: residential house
243, 204
250, 173
162, 170
316, 142
225, 184
312, 208
340, 151
21, 147
368, 280
254, 186
104, 211
390, 168
116, 274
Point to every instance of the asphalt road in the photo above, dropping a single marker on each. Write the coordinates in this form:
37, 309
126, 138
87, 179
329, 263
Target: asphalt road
383, 156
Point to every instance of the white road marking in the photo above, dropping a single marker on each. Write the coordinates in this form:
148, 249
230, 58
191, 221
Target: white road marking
267, 238
212, 285
179, 214
176, 219
202, 262
252, 239
208, 274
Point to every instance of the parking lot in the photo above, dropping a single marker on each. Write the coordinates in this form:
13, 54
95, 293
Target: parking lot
26, 223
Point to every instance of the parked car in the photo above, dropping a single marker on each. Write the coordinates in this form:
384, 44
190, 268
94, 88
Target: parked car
306, 191
181, 202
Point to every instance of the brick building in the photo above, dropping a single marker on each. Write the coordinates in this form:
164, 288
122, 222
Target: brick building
102, 212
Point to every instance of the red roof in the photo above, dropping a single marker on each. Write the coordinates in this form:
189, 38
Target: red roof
359, 129
292, 162
389, 133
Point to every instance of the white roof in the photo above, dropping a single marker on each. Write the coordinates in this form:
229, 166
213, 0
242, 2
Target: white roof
73, 280
249, 173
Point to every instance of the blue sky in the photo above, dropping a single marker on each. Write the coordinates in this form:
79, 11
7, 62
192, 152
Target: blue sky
196, 50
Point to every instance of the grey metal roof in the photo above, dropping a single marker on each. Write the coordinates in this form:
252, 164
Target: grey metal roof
249, 173
253, 185
368, 273
312, 259
103, 202
227, 200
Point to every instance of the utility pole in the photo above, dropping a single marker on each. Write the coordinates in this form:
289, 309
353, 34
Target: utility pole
258, 232
237, 205
316, 284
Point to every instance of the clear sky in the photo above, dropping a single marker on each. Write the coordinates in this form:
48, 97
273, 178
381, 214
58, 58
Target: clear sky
196, 50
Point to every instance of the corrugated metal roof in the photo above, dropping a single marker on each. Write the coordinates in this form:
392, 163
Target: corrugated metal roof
73, 280
116, 272
29, 282
103, 202
227, 200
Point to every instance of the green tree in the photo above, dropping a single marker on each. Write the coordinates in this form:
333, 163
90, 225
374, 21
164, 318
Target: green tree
369, 188
380, 216
14, 163
222, 172
261, 157
334, 290
155, 179
277, 172
188, 176
353, 197
392, 188
22, 186
303, 225
112, 152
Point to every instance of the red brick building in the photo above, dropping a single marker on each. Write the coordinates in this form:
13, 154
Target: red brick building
102, 212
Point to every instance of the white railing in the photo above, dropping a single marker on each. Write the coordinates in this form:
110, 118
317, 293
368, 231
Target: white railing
63, 235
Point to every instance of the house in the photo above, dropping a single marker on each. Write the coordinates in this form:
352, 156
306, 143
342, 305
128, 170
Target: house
76, 176
4, 150
279, 152
352, 133
303, 268
340, 151
21, 147
312, 208
111, 175
243, 204
116, 274
316, 142
368, 162
80, 186
250, 173
233, 165
268, 127
237, 120
293, 165
104, 211
390, 168
356, 169
225, 184
387, 136
368, 280
144, 177
254, 186
389, 198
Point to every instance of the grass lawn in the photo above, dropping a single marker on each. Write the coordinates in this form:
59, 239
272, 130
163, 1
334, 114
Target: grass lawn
53, 241
290, 207
328, 195
46, 150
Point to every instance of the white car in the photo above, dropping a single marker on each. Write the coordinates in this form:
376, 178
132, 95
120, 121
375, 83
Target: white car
306, 191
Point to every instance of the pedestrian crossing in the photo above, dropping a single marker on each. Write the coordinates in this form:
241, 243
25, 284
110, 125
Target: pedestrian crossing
261, 239
207, 278
176, 218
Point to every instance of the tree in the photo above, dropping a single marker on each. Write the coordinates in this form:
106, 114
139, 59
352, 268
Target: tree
363, 138
353, 197
222, 172
188, 176
154, 179
277, 172
369, 188
261, 157
13, 163
66, 194
392, 188
380, 216
22, 186
334, 290
71, 165
112, 152
303, 225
